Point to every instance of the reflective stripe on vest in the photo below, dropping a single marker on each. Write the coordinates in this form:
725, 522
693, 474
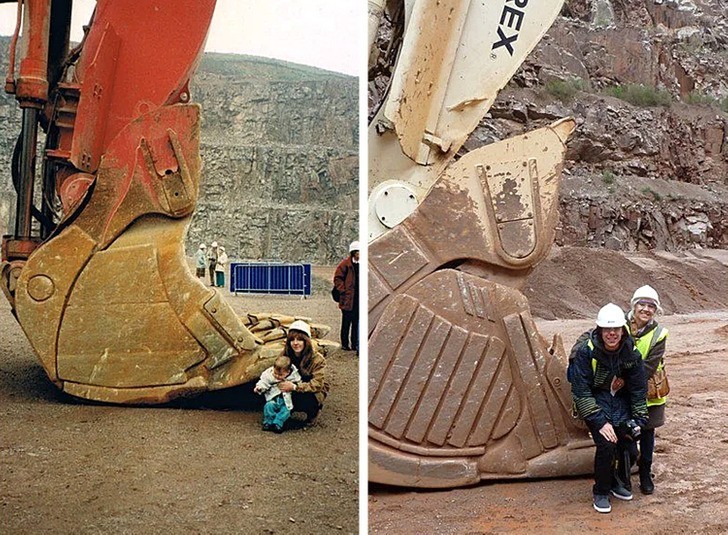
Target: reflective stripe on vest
644, 345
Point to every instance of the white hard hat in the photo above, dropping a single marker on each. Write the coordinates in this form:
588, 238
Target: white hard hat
203, 246
221, 248
300, 325
611, 316
645, 292
214, 244
354, 246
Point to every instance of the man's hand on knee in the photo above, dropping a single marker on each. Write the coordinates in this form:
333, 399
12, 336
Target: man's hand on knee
607, 431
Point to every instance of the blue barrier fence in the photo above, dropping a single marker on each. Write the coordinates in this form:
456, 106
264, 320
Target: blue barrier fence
270, 278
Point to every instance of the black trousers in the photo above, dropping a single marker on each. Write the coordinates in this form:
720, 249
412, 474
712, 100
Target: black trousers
306, 402
605, 460
647, 447
350, 328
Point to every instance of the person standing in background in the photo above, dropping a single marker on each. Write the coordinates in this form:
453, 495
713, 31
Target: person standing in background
346, 281
212, 261
221, 266
201, 261
650, 340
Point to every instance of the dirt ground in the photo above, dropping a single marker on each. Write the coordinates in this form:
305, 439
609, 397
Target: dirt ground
201, 465
691, 459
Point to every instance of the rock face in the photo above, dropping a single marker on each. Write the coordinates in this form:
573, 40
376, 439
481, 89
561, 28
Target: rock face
280, 159
280, 147
650, 171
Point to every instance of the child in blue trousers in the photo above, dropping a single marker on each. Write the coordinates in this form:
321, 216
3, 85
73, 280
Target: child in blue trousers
278, 405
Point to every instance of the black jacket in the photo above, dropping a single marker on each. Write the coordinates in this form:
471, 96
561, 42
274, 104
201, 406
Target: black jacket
591, 389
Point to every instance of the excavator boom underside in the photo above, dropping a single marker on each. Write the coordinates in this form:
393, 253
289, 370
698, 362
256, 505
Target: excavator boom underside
461, 385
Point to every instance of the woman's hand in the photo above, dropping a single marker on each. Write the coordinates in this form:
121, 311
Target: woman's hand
288, 386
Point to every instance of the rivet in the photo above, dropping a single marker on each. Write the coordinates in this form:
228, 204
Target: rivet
41, 287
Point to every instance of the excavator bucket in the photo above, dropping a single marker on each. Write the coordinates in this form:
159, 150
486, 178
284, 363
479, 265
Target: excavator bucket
462, 387
107, 300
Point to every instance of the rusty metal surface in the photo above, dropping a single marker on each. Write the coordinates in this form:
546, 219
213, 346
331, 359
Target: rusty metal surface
476, 212
463, 388
110, 305
108, 302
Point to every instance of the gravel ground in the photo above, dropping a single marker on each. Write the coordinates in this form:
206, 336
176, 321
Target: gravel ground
200, 465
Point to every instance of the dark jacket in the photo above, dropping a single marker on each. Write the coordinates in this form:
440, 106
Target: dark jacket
346, 280
591, 389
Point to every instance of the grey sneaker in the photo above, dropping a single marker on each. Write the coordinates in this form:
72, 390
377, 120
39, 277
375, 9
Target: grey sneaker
601, 503
618, 491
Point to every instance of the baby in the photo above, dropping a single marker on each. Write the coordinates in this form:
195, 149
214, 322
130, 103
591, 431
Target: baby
278, 405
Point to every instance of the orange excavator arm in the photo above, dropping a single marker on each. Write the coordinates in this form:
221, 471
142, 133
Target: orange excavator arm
135, 58
101, 286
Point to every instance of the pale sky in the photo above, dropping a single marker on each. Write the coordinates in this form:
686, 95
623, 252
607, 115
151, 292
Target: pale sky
324, 33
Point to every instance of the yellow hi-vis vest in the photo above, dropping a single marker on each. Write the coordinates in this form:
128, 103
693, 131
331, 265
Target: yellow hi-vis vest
644, 345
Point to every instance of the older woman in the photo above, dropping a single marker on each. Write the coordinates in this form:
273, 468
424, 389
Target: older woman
310, 393
650, 340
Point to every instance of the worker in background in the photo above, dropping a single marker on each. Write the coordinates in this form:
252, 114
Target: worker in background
221, 266
346, 281
609, 389
201, 261
212, 261
650, 339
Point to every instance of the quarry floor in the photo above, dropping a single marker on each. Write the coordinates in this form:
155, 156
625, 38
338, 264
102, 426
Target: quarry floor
201, 465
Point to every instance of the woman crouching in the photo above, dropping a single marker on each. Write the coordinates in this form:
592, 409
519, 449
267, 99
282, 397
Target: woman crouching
310, 393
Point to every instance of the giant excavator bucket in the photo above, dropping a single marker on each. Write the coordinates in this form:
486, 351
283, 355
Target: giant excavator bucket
462, 387
107, 299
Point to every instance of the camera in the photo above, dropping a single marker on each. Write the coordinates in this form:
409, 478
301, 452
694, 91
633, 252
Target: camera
632, 429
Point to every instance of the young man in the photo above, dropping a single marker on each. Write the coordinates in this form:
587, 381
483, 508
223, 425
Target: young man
609, 389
